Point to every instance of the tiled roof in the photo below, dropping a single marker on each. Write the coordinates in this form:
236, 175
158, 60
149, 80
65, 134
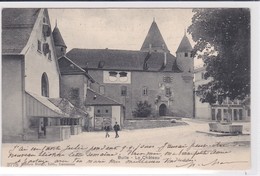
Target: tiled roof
48, 104
68, 67
154, 37
64, 105
17, 25
184, 45
95, 99
121, 59
57, 37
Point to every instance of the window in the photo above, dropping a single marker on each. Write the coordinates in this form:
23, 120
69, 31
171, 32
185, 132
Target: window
168, 92
240, 112
44, 20
167, 79
74, 96
145, 91
106, 111
185, 54
202, 75
123, 91
39, 46
45, 85
98, 110
49, 56
101, 90
190, 54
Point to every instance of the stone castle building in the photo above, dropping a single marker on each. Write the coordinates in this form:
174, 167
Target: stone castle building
150, 74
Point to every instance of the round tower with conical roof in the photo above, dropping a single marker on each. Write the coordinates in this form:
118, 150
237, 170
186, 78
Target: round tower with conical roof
184, 55
59, 43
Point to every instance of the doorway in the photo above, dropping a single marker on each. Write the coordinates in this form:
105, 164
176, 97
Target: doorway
162, 110
43, 122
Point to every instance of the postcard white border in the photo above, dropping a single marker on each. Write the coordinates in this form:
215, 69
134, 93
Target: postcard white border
255, 84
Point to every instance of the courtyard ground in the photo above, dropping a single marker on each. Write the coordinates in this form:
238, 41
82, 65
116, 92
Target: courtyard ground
172, 147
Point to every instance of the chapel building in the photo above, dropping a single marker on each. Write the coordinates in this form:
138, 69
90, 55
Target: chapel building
32, 108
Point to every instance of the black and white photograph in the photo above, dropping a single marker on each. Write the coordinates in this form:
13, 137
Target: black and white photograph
127, 87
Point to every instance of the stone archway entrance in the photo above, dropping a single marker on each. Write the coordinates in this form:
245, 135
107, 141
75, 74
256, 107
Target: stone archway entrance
162, 110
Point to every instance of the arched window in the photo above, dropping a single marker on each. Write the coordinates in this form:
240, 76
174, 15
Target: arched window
45, 85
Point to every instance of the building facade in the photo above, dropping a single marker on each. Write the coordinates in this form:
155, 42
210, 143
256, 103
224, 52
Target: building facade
31, 80
79, 88
205, 111
150, 74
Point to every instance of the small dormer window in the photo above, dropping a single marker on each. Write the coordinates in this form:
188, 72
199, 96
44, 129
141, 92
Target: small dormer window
44, 20
101, 64
185, 54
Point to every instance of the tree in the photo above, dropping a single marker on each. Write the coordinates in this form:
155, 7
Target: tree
143, 109
222, 39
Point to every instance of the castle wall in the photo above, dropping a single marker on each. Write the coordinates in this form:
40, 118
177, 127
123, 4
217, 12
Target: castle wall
179, 103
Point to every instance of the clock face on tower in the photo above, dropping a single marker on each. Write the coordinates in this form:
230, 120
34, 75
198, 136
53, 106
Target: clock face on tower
117, 77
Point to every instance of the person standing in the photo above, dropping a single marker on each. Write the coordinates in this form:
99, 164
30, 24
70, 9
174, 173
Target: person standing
107, 129
116, 128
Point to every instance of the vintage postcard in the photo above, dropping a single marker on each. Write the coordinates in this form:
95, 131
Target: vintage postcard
127, 87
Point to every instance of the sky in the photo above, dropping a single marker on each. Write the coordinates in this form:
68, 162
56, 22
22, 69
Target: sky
123, 29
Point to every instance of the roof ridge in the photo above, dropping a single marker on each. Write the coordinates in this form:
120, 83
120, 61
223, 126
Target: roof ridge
98, 49
104, 96
72, 62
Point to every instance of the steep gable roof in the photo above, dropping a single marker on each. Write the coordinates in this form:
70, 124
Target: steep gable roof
57, 37
184, 45
64, 105
68, 67
17, 25
95, 99
154, 38
107, 59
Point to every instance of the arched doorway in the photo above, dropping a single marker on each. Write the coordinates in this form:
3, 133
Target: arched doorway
162, 110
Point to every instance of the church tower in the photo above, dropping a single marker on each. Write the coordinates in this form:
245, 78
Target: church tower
154, 41
59, 43
184, 55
